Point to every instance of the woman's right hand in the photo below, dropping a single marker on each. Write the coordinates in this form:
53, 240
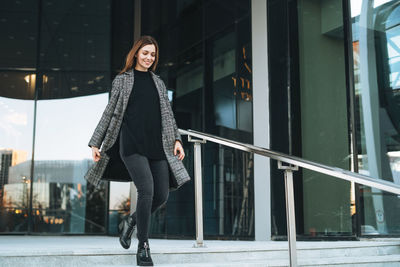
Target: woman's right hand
95, 153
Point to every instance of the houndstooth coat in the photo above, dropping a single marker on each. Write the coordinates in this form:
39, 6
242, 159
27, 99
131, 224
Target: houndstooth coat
110, 166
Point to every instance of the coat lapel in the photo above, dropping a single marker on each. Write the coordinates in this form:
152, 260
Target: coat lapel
128, 84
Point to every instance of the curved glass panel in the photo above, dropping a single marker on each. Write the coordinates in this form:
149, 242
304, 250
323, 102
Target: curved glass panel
55, 99
73, 79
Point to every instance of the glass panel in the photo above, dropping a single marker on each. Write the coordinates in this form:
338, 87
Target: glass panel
324, 117
228, 186
75, 35
18, 34
228, 192
62, 199
210, 92
376, 53
119, 205
74, 75
74, 78
16, 133
177, 26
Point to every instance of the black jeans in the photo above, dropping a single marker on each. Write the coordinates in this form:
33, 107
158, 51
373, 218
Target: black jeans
151, 178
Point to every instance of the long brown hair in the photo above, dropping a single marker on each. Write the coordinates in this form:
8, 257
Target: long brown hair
130, 61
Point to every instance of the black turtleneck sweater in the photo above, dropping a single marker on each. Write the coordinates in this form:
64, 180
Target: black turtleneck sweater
141, 124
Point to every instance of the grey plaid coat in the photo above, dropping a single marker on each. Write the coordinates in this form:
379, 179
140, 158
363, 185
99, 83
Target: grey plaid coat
110, 166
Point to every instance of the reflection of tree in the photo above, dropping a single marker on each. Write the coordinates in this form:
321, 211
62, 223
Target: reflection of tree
125, 205
57, 207
95, 209
2, 197
14, 212
22, 202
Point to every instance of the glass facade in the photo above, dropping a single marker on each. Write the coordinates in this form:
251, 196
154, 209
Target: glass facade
334, 72
57, 64
334, 81
56, 68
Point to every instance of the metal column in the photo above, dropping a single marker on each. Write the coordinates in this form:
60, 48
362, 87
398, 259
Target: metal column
198, 190
290, 212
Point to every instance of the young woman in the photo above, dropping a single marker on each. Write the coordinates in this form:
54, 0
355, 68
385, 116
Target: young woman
140, 139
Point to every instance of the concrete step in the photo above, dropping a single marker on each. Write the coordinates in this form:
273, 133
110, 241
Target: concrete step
375, 261
105, 251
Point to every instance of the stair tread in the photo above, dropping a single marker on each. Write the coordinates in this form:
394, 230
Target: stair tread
281, 263
35, 246
106, 251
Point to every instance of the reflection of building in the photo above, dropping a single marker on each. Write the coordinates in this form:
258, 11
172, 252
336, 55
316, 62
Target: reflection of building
8, 159
48, 173
58, 192
52, 171
5, 163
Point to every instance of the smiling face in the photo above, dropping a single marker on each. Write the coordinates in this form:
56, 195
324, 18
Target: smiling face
145, 57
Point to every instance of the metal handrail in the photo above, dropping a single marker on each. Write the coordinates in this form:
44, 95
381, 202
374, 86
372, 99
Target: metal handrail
294, 162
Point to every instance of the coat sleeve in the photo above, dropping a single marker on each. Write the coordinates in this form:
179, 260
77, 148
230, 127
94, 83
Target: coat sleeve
176, 131
101, 129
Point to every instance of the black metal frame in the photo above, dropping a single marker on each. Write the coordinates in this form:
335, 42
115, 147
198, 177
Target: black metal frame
350, 90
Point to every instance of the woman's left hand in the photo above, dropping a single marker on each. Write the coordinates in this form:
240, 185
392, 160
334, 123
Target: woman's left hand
179, 149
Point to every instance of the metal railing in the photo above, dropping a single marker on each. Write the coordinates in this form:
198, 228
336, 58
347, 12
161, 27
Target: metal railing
293, 162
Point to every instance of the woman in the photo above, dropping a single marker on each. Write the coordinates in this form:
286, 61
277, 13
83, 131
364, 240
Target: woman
140, 142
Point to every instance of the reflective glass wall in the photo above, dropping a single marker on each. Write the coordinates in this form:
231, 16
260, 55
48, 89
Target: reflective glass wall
57, 63
324, 117
56, 67
205, 60
309, 107
376, 58
334, 77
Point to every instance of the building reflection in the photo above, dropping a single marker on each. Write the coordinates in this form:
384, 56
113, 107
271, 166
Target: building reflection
59, 198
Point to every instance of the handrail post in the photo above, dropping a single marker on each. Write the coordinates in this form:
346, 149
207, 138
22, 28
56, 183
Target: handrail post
290, 211
198, 190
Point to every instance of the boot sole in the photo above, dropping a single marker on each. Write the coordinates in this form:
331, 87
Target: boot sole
144, 263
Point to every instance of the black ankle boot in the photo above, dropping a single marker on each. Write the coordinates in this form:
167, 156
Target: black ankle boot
143, 257
126, 228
